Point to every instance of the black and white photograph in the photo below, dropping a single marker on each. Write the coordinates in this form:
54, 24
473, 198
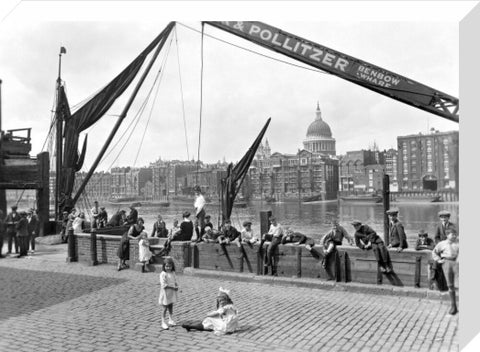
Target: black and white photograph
174, 179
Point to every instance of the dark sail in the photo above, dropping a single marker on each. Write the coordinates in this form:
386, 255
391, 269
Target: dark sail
235, 175
91, 112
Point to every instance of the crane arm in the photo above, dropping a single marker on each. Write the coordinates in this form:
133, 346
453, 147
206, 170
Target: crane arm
347, 67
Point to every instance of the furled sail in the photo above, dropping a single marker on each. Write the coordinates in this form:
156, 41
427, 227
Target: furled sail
92, 111
235, 175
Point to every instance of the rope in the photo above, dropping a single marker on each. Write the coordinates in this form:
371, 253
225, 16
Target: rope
201, 105
21, 195
181, 93
158, 78
134, 122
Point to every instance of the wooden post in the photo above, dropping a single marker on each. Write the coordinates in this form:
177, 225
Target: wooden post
72, 255
93, 249
43, 193
3, 201
386, 206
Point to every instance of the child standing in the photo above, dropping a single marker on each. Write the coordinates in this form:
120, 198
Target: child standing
144, 253
168, 291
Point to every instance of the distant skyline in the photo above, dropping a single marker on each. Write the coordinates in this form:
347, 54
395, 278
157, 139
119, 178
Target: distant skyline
240, 89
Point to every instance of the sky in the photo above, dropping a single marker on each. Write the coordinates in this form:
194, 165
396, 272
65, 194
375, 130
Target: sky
211, 102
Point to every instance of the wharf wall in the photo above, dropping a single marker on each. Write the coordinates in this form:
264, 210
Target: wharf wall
411, 267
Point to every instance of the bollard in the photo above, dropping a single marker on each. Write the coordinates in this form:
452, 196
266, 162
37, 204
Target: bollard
386, 206
93, 249
71, 247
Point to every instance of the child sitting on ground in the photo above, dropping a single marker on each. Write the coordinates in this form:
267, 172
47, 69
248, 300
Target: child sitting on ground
221, 321
144, 253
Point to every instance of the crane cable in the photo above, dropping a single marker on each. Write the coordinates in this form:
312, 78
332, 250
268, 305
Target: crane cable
201, 105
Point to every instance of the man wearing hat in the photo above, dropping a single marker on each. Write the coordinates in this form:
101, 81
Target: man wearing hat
199, 206
443, 226
11, 221
424, 242
446, 253
330, 241
33, 228
398, 239
229, 234
95, 213
22, 234
366, 238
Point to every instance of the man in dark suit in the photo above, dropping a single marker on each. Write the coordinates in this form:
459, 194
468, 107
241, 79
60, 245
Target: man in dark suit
11, 222
443, 225
398, 238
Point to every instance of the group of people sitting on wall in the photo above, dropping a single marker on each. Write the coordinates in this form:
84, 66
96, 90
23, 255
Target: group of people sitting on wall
19, 229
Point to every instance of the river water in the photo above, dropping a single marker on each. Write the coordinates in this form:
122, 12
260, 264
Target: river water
312, 219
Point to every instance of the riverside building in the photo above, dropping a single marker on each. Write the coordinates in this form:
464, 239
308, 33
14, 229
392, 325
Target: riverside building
312, 171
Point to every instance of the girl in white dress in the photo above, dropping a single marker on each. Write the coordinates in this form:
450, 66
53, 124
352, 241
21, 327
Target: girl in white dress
144, 253
168, 291
221, 321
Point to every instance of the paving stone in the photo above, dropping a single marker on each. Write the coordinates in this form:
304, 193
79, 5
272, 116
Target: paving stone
75, 307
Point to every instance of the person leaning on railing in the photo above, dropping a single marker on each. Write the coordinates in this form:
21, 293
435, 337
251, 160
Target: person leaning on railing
330, 242
366, 238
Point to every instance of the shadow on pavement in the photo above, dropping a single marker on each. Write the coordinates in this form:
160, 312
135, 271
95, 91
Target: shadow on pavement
26, 291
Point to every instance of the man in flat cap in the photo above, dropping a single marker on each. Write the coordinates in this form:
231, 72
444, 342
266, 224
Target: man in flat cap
11, 222
366, 238
398, 238
443, 226
437, 275
446, 253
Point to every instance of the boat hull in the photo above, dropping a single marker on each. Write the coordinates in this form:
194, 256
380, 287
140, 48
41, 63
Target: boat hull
364, 199
427, 199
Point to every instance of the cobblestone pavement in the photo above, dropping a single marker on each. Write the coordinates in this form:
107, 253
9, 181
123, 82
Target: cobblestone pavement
50, 305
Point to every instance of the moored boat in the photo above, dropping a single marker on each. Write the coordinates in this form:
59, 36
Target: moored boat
314, 198
418, 199
364, 198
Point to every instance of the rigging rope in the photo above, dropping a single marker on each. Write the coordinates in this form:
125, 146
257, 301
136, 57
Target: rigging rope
157, 81
201, 106
136, 118
181, 93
